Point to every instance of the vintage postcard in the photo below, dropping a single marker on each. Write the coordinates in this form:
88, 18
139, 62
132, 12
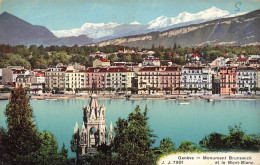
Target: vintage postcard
134, 82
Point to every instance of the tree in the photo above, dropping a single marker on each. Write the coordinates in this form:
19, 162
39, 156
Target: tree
151, 89
63, 156
127, 58
246, 90
60, 57
22, 143
168, 89
23, 138
241, 90
133, 139
137, 58
166, 145
236, 140
48, 153
110, 89
3, 139
132, 89
182, 60
69, 89
255, 89
164, 63
191, 89
74, 144
46, 90
179, 89
113, 57
234, 90
205, 89
214, 141
174, 46
188, 146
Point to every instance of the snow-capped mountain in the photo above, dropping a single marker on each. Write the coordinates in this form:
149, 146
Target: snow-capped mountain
230, 31
104, 31
185, 17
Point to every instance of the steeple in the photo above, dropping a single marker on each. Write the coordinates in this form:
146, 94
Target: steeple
83, 129
111, 136
93, 102
76, 128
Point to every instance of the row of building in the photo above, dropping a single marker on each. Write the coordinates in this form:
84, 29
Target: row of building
198, 79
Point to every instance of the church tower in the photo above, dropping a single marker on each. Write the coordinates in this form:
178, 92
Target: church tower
93, 130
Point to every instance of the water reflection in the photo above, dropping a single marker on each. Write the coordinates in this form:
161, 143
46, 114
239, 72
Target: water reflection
179, 122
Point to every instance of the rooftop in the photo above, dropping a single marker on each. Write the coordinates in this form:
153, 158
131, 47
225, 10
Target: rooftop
194, 67
19, 71
241, 59
103, 60
151, 68
246, 68
157, 68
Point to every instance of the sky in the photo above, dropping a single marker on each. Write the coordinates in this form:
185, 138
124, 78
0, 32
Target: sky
68, 14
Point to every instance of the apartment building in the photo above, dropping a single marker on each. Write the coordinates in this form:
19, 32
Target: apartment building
55, 77
228, 80
17, 72
242, 61
219, 62
254, 63
114, 77
149, 77
170, 77
198, 77
247, 78
38, 77
6, 76
258, 78
95, 77
119, 77
160, 77
74, 79
24, 81
101, 62
151, 61
98, 54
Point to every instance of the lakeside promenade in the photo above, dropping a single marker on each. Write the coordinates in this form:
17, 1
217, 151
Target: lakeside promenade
5, 96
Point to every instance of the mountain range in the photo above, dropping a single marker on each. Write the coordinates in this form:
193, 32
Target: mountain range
231, 31
105, 31
15, 31
212, 26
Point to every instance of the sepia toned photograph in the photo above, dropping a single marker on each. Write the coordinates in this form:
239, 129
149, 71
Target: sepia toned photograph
129, 82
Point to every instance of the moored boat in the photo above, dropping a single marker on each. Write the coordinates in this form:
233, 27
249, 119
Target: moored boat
209, 100
184, 103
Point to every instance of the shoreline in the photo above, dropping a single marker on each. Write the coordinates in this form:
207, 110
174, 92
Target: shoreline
5, 96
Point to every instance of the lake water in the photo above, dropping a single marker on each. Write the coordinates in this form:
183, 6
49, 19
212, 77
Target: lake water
167, 118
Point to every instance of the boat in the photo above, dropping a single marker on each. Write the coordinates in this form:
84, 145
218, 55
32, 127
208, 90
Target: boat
51, 99
184, 103
210, 100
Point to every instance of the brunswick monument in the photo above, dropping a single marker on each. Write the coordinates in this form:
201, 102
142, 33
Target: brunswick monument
93, 130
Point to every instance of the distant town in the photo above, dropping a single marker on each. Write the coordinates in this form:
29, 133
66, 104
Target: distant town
175, 73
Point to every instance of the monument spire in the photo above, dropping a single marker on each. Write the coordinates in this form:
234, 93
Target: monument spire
76, 128
111, 130
93, 130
